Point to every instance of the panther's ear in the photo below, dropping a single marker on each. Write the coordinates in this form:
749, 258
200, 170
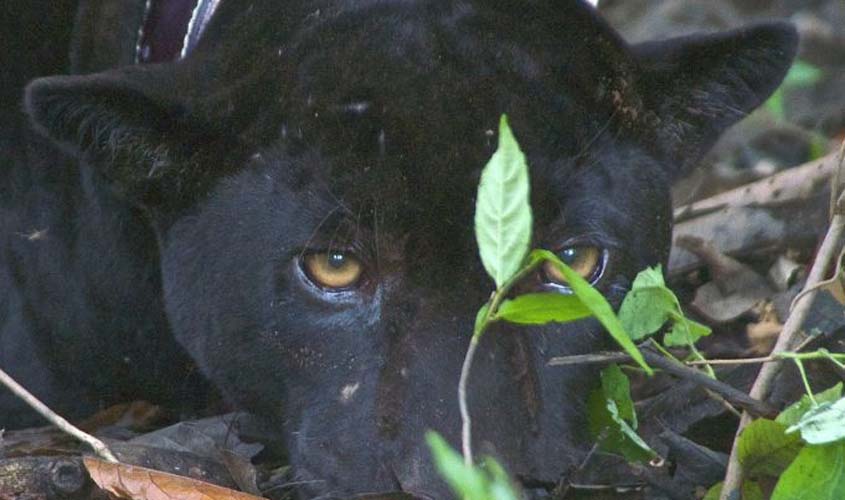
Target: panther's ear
130, 127
697, 86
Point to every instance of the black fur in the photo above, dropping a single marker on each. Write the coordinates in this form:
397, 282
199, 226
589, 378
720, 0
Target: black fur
197, 186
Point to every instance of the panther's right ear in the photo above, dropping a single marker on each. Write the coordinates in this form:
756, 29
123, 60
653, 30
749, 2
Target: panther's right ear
699, 85
130, 125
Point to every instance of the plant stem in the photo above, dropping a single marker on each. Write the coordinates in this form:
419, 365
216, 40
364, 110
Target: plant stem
493, 306
665, 352
820, 354
466, 421
806, 382
54, 418
834, 358
678, 316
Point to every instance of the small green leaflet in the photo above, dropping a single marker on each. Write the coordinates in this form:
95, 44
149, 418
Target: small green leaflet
596, 303
500, 488
470, 483
650, 304
615, 385
646, 307
502, 209
802, 74
793, 413
764, 448
467, 481
612, 419
818, 473
542, 308
822, 424
685, 332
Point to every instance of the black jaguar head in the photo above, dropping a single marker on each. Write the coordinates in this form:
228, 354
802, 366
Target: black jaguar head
311, 170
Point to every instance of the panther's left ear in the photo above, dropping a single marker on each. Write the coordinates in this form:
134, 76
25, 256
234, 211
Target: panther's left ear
697, 86
132, 127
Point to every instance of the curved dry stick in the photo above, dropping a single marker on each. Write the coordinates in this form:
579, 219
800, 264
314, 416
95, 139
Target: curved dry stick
790, 333
54, 418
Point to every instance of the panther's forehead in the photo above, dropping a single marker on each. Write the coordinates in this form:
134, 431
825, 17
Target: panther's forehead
447, 69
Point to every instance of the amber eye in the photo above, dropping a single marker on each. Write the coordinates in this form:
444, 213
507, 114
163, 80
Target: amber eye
333, 270
587, 261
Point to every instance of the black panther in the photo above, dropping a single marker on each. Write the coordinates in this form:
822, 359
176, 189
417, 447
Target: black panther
284, 200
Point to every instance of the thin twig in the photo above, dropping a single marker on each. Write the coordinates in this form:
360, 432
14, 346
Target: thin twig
587, 359
466, 422
731, 394
790, 332
820, 354
54, 418
562, 487
737, 361
724, 402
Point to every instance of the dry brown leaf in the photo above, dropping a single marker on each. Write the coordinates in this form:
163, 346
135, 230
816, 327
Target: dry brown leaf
134, 415
129, 482
735, 288
762, 337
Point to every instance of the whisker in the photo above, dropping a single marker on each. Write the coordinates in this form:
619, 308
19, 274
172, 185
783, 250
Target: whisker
317, 229
376, 236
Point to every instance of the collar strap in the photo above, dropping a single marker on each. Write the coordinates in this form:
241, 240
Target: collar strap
172, 28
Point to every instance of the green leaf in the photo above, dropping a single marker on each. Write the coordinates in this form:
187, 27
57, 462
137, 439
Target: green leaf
750, 491
502, 210
648, 305
793, 413
612, 418
685, 332
650, 277
597, 304
615, 434
501, 488
542, 308
802, 74
764, 448
775, 105
822, 424
818, 473
470, 483
818, 146
616, 387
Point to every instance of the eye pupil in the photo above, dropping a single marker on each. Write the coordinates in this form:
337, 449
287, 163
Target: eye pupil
336, 260
568, 255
